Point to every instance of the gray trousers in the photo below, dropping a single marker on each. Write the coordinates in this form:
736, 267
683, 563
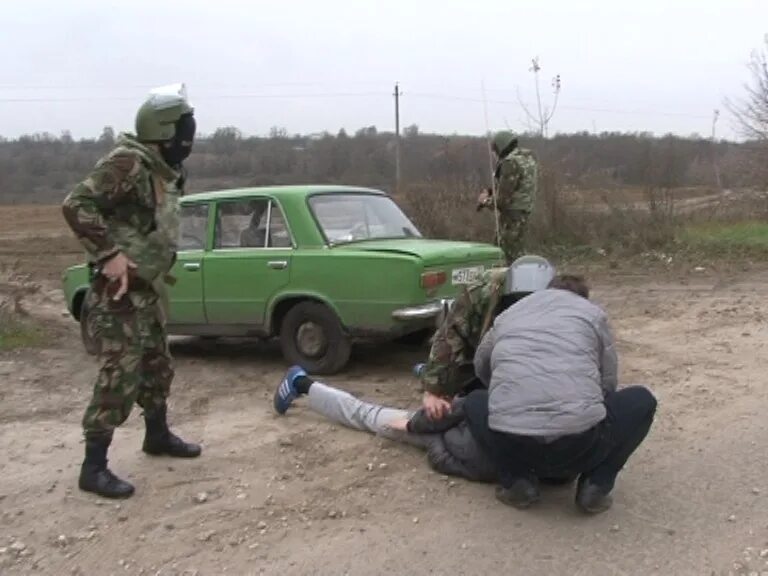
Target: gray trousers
343, 408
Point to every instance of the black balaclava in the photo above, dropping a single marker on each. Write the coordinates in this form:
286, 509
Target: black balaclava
176, 150
508, 300
502, 153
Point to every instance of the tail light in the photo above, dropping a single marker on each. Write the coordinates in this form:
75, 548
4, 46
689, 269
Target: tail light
430, 280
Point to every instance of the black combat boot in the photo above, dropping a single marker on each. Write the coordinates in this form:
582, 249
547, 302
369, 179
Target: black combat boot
159, 440
592, 499
95, 476
523, 493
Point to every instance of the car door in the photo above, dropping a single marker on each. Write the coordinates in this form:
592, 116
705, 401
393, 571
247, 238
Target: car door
186, 295
249, 262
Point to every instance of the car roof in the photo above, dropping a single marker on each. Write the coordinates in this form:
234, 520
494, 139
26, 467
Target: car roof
278, 192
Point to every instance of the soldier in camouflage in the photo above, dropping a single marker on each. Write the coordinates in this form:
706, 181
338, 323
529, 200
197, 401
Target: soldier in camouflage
125, 214
449, 367
450, 370
515, 182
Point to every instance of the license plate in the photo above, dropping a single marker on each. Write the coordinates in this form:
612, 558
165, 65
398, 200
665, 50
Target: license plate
467, 275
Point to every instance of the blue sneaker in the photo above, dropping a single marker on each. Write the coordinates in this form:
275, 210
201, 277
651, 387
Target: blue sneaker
286, 393
418, 369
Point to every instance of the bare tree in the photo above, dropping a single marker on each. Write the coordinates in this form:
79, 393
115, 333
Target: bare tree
539, 120
750, 115
751, 111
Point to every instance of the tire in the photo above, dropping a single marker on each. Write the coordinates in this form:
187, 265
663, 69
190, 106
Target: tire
88, 331
312, 337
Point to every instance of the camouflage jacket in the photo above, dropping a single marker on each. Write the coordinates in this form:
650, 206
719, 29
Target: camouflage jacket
128, 203
516, 181
450, 364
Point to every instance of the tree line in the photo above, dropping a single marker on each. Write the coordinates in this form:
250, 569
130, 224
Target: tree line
42, 168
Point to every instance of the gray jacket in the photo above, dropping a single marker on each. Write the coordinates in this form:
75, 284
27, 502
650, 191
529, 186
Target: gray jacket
548, 361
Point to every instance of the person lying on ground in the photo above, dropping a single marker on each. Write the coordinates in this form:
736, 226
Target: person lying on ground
451, 448
552, 406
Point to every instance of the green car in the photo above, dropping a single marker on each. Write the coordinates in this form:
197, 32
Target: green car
316, 266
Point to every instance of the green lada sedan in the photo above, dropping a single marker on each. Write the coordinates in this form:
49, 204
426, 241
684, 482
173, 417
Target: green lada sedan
318, 267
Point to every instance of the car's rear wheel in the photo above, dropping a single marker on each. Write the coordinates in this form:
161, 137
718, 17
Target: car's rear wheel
312, 337
89, 329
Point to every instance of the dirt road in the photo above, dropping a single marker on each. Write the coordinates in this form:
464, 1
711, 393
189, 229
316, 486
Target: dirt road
296, 495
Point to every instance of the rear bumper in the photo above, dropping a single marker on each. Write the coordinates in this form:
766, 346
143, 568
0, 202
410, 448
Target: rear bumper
422, 312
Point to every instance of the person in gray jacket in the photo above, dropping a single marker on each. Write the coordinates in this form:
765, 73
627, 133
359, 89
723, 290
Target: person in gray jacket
552, 407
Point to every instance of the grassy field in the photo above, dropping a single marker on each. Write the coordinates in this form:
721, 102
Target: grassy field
19, 333
721, 237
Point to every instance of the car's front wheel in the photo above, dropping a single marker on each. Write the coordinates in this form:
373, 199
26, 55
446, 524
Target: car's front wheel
312, 337
89, 329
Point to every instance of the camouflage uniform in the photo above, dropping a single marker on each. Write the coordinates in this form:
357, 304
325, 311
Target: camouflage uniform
129, 203
516, 180
450, 365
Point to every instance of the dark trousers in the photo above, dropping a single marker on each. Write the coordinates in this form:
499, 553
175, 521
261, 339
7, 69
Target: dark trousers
597, 454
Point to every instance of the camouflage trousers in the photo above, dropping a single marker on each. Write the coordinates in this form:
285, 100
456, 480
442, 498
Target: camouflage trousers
136, 363
512, 234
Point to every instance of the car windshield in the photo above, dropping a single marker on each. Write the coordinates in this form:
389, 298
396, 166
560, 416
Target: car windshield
355, 217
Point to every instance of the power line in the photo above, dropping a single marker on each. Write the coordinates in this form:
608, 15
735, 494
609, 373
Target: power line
60, 100
437, 96
352, 94
198, 97
296, 95
112, 86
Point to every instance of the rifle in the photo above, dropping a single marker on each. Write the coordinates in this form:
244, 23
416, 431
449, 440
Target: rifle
492, 189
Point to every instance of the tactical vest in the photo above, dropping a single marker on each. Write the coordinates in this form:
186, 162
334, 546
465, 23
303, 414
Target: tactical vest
147, 229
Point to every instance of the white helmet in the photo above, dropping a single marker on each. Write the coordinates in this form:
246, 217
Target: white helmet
528, 273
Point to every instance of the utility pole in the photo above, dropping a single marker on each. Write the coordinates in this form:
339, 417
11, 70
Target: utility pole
397, 95
715, 117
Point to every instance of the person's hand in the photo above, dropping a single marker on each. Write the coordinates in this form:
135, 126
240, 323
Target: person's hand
435, 407
116, 269
484, 199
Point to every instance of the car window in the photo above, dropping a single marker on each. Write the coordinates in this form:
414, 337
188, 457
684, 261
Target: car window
241, 224
193, 226
354, 217
244, 224
279, 236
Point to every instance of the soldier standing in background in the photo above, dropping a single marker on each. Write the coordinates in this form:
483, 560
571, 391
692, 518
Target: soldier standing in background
125, 213
515, 182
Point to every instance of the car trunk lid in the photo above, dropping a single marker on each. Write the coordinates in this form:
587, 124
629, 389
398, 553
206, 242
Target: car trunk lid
431, 252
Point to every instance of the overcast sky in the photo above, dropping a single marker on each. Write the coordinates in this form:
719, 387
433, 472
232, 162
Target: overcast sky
308, 66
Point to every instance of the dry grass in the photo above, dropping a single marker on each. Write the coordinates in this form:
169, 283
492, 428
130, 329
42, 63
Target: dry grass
38, 221
19, 332
561, 222
18, 329
566, 221
617, 222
